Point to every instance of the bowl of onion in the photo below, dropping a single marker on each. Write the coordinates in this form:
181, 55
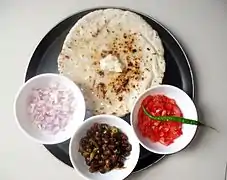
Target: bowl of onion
164, 119
49, 108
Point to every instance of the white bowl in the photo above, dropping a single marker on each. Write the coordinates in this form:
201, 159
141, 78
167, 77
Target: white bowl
116, 174
188, 109
24, 120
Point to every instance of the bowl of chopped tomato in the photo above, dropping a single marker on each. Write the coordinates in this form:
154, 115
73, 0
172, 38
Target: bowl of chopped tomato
157, 119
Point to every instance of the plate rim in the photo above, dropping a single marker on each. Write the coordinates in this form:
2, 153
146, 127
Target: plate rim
59, 23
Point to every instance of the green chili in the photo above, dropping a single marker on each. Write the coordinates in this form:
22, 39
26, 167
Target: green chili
92, 155
114, 130
174, 118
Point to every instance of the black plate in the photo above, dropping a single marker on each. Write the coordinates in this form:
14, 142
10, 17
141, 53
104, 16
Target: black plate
178, 73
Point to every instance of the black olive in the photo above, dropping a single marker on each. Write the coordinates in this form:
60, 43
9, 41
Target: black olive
114, 158
97, 134
115, 135
104, 146
87, 148
102, 170
87, 160
94, 163
97, 157
106, 136
124, 137
105, 140
101, 162
117, 151
120, 164
95, 126
91, 170
125, 144
83, 141
111, 147
128, 148
107, 152
121, 159
99, 142
126, 153
89, 133
105, 157
107, 163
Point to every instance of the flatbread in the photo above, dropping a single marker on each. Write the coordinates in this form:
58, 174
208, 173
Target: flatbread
127, 37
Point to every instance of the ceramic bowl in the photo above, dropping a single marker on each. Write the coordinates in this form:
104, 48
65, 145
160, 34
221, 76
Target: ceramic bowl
24, 120
78, 161
188, 109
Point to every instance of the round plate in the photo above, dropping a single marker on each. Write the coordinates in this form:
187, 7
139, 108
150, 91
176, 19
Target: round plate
178, 73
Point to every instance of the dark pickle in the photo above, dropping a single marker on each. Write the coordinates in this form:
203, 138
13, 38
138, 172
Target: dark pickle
104, 148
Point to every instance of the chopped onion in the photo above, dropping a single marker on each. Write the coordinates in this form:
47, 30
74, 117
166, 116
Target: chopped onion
51, 108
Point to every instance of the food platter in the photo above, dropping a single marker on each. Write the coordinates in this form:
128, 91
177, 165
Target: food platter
178, 73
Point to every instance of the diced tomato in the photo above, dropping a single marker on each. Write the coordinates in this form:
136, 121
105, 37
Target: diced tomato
164, 132
147, 100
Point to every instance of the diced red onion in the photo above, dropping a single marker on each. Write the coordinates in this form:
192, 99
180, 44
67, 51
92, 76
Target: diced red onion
51, 108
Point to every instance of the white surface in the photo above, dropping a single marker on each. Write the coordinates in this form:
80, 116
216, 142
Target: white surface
78, 161
24, 120
187, 108
200, 26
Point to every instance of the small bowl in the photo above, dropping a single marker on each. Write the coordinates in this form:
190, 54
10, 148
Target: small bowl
24, 120
188, 109
78, 161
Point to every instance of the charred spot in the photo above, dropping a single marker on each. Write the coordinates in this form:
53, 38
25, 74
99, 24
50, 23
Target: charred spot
130, 64
134, 50
120, 98
125, 82
96, 34
148, 49
66, 56
101, 73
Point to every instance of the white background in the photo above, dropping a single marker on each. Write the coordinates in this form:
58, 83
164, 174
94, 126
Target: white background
200, 26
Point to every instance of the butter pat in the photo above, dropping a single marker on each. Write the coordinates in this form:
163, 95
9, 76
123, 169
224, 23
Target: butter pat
111, 63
